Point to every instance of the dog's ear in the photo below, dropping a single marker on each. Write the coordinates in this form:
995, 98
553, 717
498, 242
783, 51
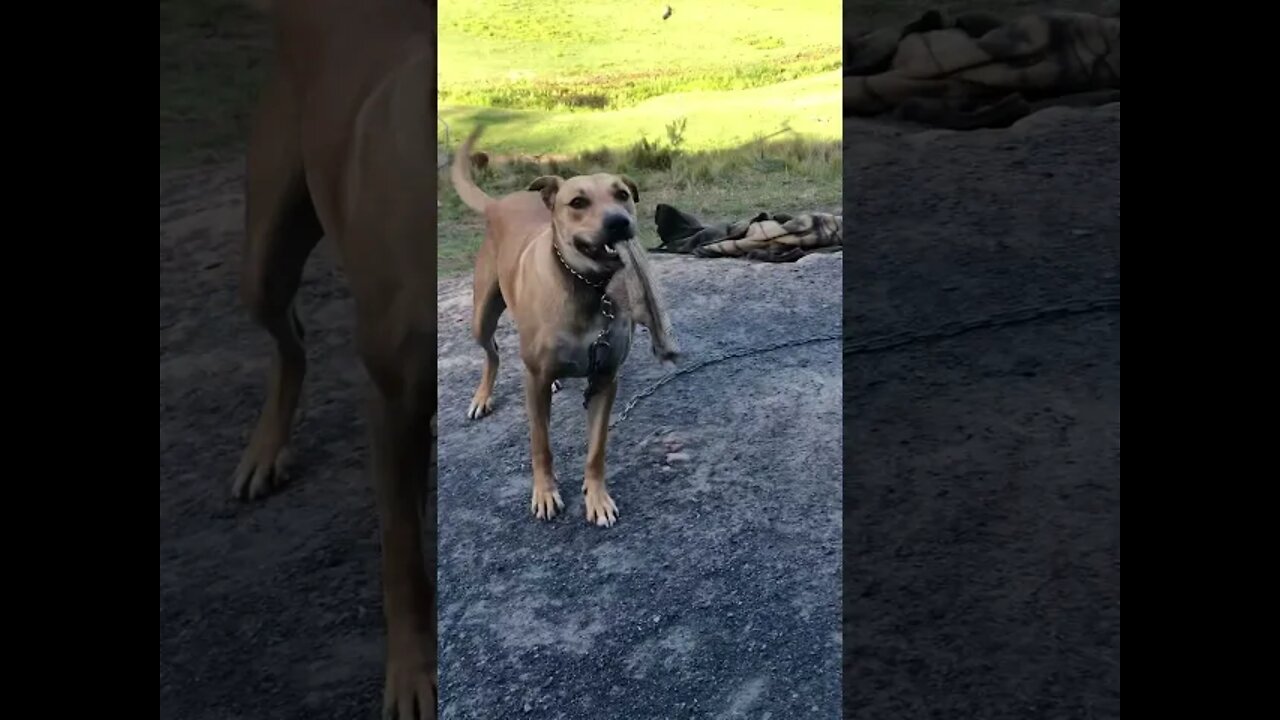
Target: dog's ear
548, 185
631, 185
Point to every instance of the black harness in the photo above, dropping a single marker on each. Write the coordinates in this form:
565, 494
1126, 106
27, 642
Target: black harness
600, 346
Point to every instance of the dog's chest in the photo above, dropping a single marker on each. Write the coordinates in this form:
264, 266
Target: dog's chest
573, 349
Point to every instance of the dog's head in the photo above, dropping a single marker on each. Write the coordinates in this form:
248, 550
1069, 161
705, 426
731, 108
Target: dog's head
590, 213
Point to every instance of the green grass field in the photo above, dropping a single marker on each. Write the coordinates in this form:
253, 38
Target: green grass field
807, 107
559, 54
725, 109
560, 77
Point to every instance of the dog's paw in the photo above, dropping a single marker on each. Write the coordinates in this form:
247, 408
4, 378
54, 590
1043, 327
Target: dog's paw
410, 692
480, 407
601, 510
263, 468
556, 386
546, 503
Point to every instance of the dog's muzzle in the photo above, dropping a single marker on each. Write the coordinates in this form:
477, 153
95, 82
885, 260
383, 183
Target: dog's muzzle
616, 228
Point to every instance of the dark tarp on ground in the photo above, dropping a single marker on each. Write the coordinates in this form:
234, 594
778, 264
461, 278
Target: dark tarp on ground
974, 70
776, 237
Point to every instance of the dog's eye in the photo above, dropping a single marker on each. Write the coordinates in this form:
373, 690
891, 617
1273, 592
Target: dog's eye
579, 203
623, 196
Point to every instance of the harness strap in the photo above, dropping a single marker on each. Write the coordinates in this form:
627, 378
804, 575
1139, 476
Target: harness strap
599, 347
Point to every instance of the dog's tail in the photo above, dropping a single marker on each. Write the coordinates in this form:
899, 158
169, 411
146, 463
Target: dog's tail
460, 174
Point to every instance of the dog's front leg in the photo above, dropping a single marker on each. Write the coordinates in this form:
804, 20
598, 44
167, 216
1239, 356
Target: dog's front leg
601, 509
546, 496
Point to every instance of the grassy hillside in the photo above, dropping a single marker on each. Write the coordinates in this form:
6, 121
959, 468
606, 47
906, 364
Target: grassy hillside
808, 107
724, 109
560, 54
562, 77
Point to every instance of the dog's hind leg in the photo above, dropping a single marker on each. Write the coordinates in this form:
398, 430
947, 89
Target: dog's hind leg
600, 508
488, 307
281, 230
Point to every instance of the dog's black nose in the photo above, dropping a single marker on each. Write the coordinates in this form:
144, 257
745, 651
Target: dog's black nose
618, 226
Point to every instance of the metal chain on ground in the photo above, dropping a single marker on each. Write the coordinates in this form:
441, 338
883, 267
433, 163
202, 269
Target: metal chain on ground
1002, 319
891, 341
742, 352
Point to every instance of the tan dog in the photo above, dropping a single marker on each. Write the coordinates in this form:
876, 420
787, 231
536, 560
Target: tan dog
563, 258
343, 146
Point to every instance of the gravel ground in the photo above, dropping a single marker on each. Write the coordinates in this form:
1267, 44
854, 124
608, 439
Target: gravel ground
982, 496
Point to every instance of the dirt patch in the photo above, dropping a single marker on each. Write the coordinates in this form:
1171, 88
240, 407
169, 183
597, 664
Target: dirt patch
717, 593
982, 497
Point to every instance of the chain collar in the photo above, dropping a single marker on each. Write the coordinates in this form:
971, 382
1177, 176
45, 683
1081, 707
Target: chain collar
598, 285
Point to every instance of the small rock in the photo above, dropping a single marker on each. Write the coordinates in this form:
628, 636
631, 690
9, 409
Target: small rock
677, 457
